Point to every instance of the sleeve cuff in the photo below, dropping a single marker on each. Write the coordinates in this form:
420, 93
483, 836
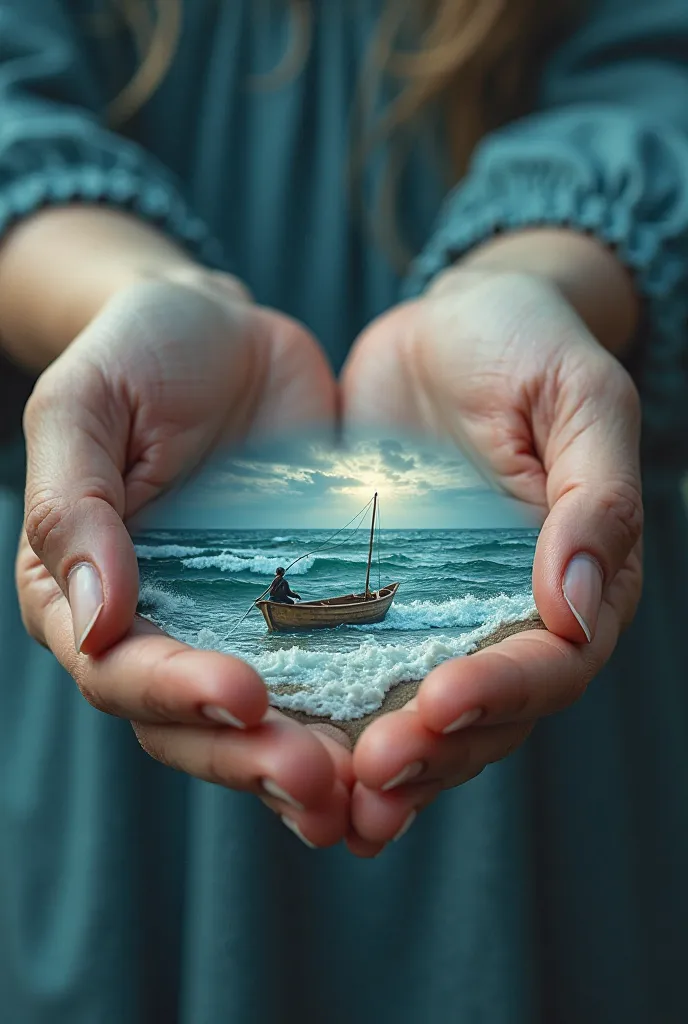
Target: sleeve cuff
658, 259
147, 194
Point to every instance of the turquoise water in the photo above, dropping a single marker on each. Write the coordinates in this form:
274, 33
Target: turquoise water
454, 584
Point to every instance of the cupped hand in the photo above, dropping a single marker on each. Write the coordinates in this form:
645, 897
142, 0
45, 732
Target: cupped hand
502, 364
166, 370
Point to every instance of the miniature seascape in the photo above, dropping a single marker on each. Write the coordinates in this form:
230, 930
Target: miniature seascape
348, 525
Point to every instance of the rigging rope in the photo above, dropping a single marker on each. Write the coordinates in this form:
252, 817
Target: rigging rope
315, 550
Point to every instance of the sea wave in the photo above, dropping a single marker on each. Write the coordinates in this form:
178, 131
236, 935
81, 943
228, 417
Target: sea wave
161, 602
150, 551
347, 685
452, 614
260, 561
492, 547
262, 564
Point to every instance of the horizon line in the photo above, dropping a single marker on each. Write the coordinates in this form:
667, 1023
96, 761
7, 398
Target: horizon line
306, 529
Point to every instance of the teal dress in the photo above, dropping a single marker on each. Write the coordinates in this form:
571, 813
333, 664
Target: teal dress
551, 889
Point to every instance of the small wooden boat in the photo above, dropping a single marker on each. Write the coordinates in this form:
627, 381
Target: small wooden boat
347, 610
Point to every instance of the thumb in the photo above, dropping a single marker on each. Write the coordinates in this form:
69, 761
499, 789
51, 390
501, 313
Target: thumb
76, 450
596, 515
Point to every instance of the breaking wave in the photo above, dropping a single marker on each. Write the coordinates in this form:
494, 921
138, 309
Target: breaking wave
346, 685
247, 561
149, 551
161, 603
457, 612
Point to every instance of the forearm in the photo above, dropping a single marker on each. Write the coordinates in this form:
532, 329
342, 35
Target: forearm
59, 268
590, 277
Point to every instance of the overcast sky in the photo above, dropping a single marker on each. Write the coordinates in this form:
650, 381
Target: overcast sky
307, 484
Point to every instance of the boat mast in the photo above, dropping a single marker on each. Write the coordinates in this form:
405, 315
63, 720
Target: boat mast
370, 549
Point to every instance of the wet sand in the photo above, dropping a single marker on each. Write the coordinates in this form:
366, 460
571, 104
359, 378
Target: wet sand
402, 693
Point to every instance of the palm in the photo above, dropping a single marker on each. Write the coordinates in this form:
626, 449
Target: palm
136, 402
506, 371
504, 368
177, 369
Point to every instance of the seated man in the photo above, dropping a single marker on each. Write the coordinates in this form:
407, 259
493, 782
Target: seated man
280, 590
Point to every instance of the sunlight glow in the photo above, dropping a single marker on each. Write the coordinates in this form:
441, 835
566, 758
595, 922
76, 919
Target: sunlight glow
308, 485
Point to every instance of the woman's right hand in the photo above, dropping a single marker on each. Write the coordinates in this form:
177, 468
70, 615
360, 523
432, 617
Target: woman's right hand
135, 402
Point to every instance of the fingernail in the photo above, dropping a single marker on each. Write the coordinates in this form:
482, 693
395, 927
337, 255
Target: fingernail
86, 602
463, 721
223, 716
406, 826
297, 832
411, 771
582, 587
272, 789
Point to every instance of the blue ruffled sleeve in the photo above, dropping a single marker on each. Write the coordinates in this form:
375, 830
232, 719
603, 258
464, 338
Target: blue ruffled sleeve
605, 151
54, 146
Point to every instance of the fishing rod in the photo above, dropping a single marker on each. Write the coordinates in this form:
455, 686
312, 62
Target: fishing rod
325, 544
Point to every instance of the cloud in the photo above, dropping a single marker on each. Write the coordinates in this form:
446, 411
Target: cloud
302, 483
393, 456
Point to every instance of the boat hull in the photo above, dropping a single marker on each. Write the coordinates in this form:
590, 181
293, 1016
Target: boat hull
348, 610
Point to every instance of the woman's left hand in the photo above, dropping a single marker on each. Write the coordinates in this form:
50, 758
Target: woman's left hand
502, 364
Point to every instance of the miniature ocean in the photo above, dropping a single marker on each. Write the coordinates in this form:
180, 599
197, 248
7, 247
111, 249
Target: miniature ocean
456, 586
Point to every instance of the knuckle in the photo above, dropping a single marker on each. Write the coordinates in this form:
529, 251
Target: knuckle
156, 696
622, 509
45, 516
154, 705
49, 515
520, 700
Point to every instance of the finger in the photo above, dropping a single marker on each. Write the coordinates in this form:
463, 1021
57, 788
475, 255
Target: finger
594, 495
76, 452
380, 818
278, 760
150, 677
362, 848
339, 751
399, 751
521, 679
320, 827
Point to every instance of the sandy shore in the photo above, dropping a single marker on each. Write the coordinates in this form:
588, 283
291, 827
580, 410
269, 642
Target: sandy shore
403, 692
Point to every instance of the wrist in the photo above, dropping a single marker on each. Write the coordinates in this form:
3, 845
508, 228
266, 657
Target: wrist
60, 267
587, 274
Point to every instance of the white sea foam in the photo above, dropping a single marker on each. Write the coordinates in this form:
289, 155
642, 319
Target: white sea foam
163, 603
349, 685
206, 640
149, 551
247, 561
281, 540
346, 685
454, 613
260, 561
